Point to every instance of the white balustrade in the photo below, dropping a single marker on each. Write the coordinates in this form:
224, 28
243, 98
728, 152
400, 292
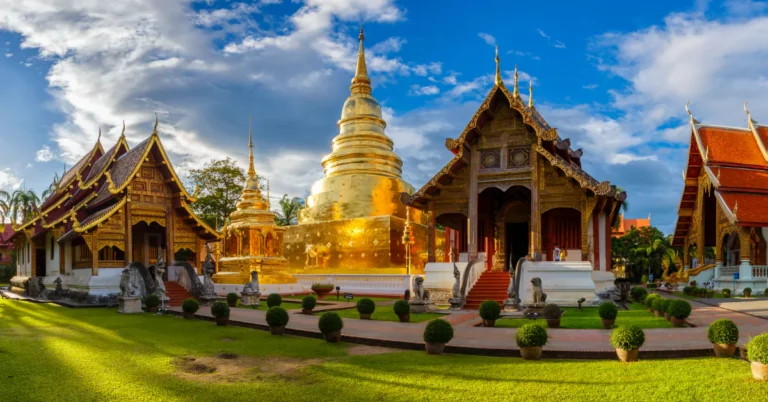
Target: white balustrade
475, 271
760, 271
372, 284
728, 271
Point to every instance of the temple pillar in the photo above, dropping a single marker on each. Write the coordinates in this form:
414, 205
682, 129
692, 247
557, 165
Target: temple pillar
473, 219
745, 268
32, 252
596, 245
431, 232
700, 238
607, 234
128, 231
169, 237
95, 252
535, 226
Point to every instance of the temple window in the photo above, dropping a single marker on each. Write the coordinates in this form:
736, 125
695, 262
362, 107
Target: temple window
111, 254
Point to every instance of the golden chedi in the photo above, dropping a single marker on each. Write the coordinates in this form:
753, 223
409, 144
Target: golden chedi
251, 240
353, 220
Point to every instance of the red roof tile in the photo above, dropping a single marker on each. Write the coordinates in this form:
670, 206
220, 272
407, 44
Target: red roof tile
752, 208
743, 179
731, 147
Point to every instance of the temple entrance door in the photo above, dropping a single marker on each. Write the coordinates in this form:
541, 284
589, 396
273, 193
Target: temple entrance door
40, 262
151, 244
146, 241
517, 243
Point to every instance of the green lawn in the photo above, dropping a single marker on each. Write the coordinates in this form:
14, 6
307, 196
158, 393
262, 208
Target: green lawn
588, 319
341, 299
263, 306
716, 295
385, 313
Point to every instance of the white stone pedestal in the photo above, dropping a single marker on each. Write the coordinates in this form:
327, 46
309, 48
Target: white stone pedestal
420, 307
251, 300
209, 300
439, 280
563, 282
129, 305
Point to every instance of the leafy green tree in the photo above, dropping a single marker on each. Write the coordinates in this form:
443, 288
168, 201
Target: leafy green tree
5, 205
23, 205
289, 211
644, 251
221, 184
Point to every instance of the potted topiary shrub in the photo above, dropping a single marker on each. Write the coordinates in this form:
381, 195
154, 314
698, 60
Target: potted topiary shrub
678, 311
552, 314
649, 301
232, 299
152, 302
658, 306
220, 310
727, 293
530, 338
274, 300
402, 310
330, 325
322, 289
723, 334
190, 307
747, 292
490, 311
277, 318
687, 290
664, 307
308, 304
638, 294
627, 341
365, 307
437, 333
608, 313
757, 354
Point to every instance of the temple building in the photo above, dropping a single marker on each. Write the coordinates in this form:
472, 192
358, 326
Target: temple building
625, 225
111, 208
725, 205
353, 221
6, 245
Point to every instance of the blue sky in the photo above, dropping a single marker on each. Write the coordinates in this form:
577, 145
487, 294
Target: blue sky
612, 76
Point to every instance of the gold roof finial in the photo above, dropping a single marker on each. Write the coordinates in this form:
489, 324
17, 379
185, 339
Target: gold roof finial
122, 133
361, 83
688, 110
154, 129
268, 203
497, 80
251, 169
735, 210
516, 92
530, 93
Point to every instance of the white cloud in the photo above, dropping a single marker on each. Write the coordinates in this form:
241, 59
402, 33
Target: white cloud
44, 154
590, 86
389, 45
554, 42
419, 90
543, 34
9, 55
9, 181
558, 44
487, 38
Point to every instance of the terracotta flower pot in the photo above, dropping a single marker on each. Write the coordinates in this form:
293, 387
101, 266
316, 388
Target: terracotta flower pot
277, 329
434, 348
627, 355
365, 316
189, 316
305, 311
747, 294
724, 350
222, 321
321, 293
658, 313
760, 371
153, 309
530, 353
607, 324
232, 304
678, 322
553, 322
332, 337
405, 317
489, 323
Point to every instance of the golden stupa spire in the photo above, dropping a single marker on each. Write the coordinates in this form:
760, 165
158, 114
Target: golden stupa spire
530, 93
497, 80
361, 83
251, 197
251, 169
516, 92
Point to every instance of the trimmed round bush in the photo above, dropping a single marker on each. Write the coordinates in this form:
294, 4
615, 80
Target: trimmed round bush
530, 335
401, 308
679, 309
231, 297
551, 311
665, 304
152, 301
723, 332
330, 322
687, 290
765, 292
308, 303
757, 349
747, 290
658, 304
638, 293
438, 331
366, 306
627, 337
273, 300
277, 316
190, 306
608, 311
650, 298
220, 310
490, 310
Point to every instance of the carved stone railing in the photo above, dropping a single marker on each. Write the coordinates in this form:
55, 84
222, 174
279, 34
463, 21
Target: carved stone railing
374, 283
472, 274
760, 271
728, 271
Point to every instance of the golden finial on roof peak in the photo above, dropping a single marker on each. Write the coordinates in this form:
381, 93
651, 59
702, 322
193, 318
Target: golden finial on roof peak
98, 139
516, 91
530, 93
122, 133
497, 79
154, 129
361, 83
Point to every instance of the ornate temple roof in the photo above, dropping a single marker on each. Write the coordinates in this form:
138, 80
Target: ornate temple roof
735, 163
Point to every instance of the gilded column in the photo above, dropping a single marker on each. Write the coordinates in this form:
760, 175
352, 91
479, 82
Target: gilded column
700, 239
128, 230
473, 219
95, 252
745, 269
431, 232
169, 235
535, 226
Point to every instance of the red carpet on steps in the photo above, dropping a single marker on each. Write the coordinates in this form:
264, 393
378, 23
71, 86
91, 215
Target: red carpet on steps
177, 293
490, 286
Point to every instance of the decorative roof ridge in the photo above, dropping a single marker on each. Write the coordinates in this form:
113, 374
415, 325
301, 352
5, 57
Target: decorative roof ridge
80, 228
110, 160
699, 143
751, 125
699, 125
205, 226
84, 160
731, 214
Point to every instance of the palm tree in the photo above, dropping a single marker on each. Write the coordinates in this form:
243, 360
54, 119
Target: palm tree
5, 205
23, 205
290, 211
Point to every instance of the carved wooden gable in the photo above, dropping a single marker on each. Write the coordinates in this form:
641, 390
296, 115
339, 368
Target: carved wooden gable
505, 141
149, 185
184, 235
556, 190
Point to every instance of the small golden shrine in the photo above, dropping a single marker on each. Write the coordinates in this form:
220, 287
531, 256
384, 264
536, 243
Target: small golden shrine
252, 241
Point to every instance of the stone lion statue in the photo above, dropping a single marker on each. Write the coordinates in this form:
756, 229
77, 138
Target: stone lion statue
252, 287
419, 293
538, 295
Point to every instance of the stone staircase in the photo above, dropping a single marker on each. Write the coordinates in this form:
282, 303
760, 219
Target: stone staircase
177, 293
490, 286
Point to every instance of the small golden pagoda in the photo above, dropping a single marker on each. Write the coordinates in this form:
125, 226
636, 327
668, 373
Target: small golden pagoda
251, 240
354, 221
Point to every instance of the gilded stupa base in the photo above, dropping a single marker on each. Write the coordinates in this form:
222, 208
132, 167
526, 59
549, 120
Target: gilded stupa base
370, 245
237, 270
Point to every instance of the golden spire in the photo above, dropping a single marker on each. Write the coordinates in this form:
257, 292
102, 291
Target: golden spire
516, 92
268, 202
251, 169
122, 134
361, 83
98, 139
497, 80
530, 93
154, 129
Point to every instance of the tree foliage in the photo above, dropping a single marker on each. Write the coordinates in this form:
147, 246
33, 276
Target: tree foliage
23, 205
221, 184
289, 211
644, 250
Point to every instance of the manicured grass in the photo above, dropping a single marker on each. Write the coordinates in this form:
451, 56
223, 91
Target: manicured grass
341, 299
716, 295
49, 353
588, 319
263, 306
385, 313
